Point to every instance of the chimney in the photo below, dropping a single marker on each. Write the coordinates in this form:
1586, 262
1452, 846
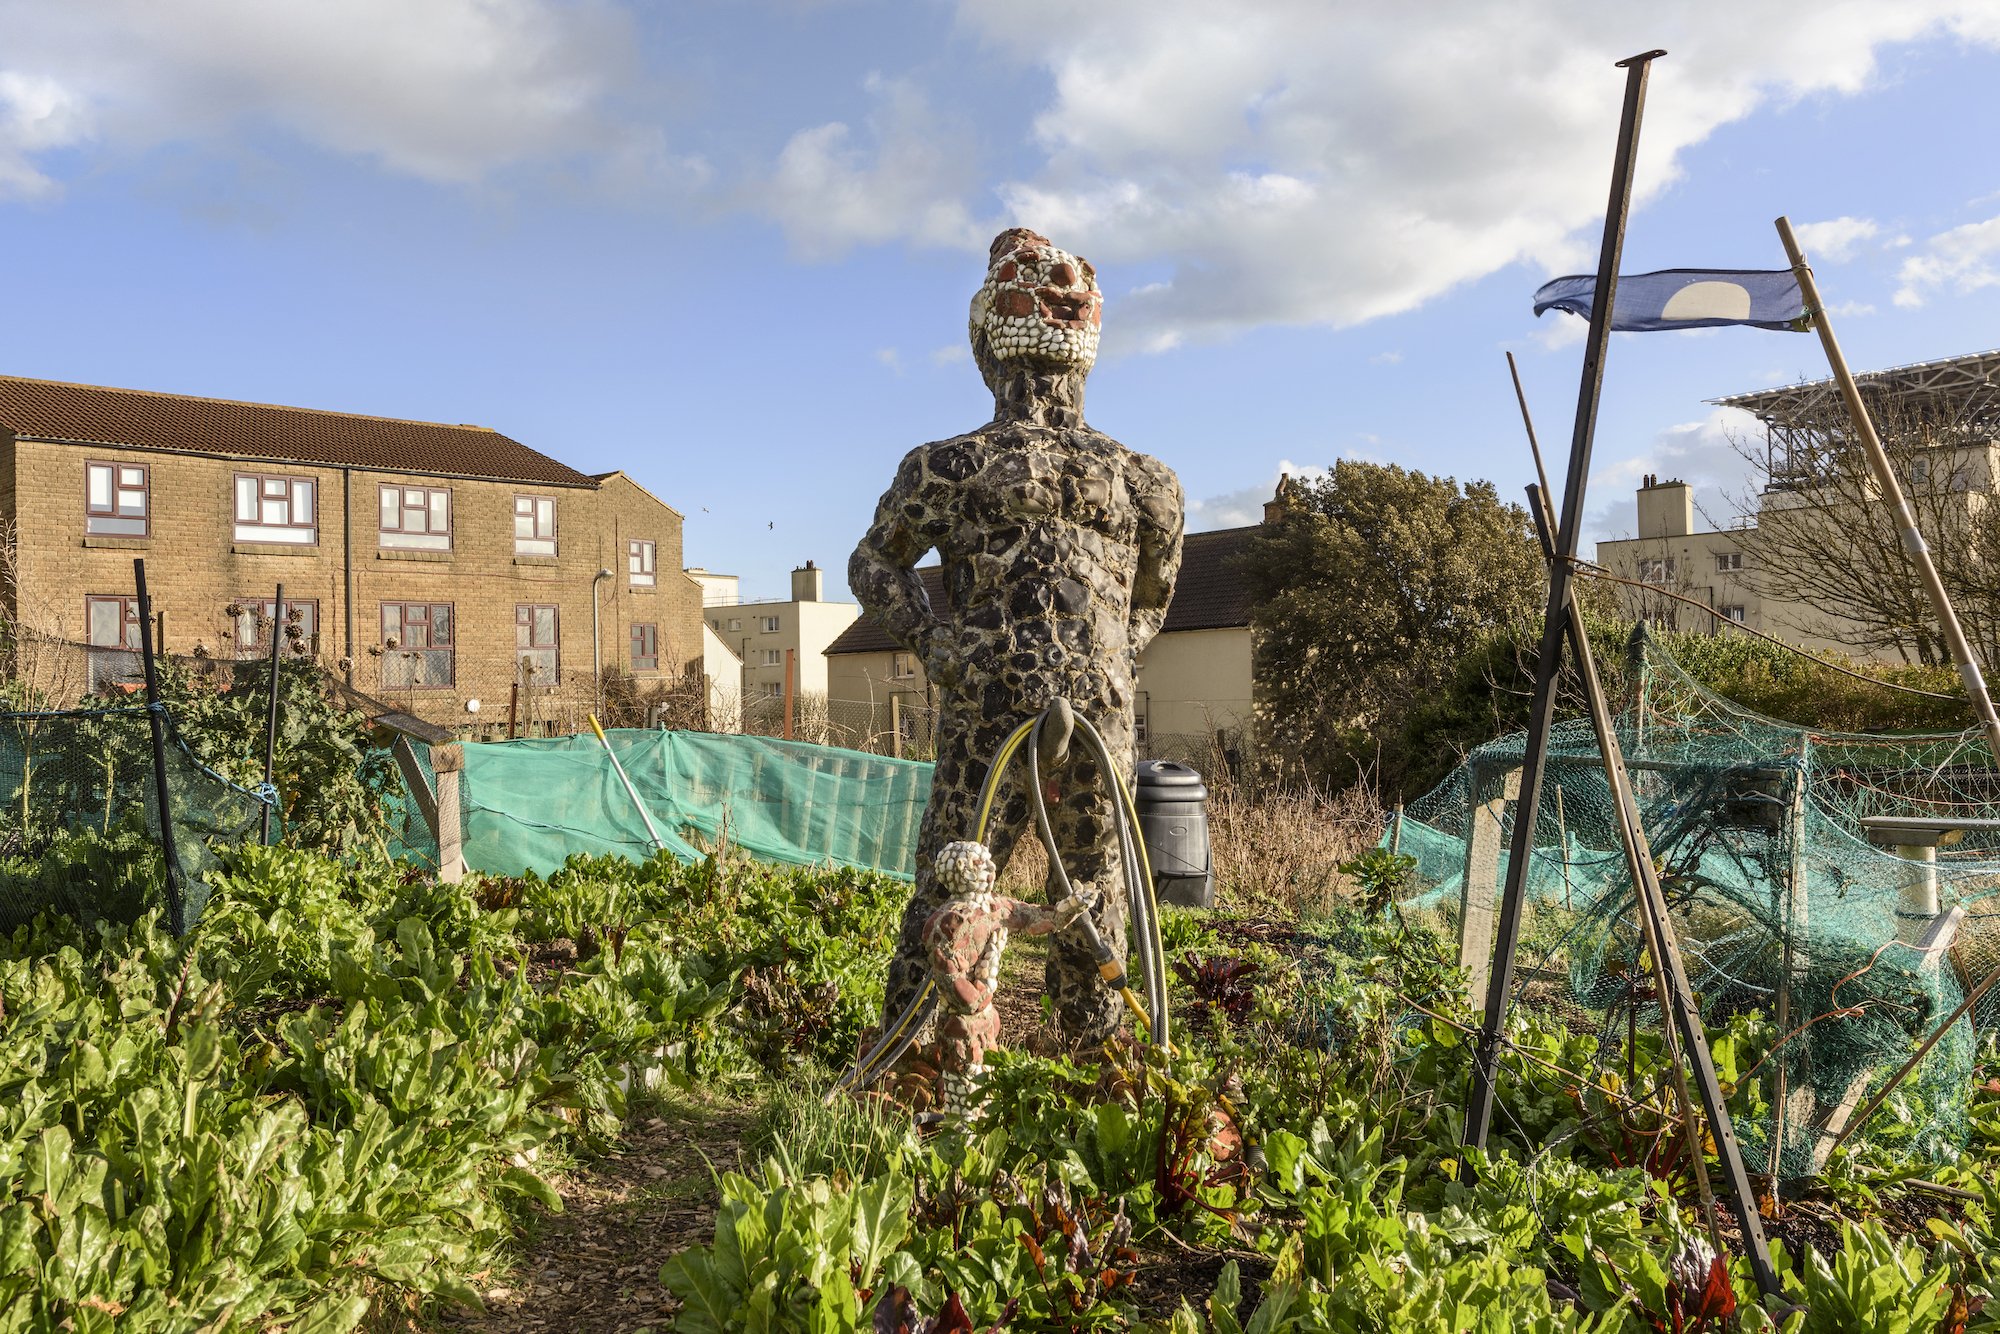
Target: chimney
1274, 508
1666, 509
807, 583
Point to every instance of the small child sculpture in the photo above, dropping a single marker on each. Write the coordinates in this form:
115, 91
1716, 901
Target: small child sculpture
963, 940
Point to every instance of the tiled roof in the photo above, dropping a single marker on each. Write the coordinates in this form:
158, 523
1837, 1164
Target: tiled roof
1208, 595
49, 410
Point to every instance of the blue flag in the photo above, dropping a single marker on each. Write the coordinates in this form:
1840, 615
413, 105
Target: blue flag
1688, 299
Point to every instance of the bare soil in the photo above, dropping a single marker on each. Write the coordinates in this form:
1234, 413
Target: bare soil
596, 1265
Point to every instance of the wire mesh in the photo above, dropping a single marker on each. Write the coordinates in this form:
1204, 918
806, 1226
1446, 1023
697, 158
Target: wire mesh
1783, 907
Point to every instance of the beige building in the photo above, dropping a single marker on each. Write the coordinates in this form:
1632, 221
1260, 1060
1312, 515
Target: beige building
1939, 419
435, 566
1194, 689
763, 634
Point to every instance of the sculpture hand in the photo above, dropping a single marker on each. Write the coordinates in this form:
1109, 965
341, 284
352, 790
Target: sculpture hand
1073, 907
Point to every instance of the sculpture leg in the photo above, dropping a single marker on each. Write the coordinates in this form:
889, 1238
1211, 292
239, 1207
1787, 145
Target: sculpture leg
966, 744
964, 1041
1088, 1011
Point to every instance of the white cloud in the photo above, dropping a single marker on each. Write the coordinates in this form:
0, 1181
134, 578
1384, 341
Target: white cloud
1385, 359
891, 358
1834, 240
449, 91
1283, 163
951, 354
1965, 259
1237, 509
901, 178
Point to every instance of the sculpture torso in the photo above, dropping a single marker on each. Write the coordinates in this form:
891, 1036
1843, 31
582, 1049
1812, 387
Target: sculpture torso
1038, 529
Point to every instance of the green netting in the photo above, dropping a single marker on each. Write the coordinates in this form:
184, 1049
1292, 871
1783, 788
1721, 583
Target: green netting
1777, 897
529, 805
80, 825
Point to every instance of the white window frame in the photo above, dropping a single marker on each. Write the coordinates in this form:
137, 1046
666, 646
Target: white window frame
422, 514
1728, 562
256, 493
1736, 612
902, 666
769, 625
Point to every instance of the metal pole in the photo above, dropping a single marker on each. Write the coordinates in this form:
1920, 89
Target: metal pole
1670, 976
1914, 545
1541, 716
596, 642
176, 904
630, 791
271, 722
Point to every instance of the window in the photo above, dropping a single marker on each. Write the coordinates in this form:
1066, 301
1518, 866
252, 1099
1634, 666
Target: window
113, 629
1736, 613
534, 526
276, 509
735, 623
113, 621
770, 625
416, 517
535, 644
903, 666
417, 645
1656, 569
639, 558
1728, 560
773, 690
774, 657
645, 648
115, 501
252, 618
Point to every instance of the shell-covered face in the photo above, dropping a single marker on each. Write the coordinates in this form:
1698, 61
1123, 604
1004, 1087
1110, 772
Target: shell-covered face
965, 870
1040, 305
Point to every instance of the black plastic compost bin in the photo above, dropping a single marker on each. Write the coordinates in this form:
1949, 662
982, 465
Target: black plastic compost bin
1173, 821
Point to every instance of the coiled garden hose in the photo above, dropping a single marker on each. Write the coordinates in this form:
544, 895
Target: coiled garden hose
1152, 1014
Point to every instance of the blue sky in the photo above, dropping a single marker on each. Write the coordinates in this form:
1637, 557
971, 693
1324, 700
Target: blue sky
727, 245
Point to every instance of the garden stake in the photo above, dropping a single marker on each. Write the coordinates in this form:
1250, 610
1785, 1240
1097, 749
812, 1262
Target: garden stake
651, 831
271, 724
1541, 716
156, 718
1676, 997
1874, 1104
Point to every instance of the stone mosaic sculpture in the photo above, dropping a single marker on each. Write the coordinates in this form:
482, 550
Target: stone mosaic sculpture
1059, 548
963, 942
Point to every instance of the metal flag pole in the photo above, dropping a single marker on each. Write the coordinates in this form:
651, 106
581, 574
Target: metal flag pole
271, 720
1541, 715
1892, 494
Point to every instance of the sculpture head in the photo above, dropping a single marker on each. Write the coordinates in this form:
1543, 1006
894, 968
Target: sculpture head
965, 871
1039, 308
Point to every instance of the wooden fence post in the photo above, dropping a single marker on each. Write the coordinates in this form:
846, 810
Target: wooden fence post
447, 762
1479, 893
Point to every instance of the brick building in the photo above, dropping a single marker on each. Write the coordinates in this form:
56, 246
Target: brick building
436, 566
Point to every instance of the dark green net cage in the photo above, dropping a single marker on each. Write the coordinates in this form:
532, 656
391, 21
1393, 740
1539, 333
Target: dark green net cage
80, 820
1781, 902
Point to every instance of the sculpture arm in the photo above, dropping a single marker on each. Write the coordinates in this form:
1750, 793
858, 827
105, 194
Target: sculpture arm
1037, 919
882, 570
1162, 517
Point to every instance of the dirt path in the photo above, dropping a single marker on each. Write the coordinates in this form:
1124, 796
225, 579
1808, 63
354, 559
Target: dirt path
596, 1265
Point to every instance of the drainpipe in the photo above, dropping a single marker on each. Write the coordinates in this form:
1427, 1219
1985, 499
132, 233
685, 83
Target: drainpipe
347, 560
596, 640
